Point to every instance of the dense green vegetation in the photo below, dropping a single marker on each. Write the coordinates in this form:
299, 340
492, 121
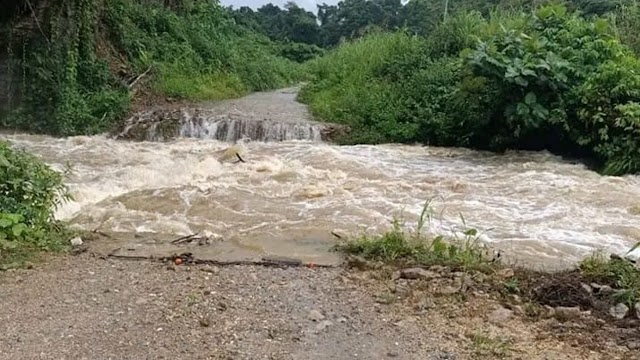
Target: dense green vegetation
544, 79
29, 194
81, 60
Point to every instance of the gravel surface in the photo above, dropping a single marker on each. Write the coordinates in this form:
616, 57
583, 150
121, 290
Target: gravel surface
88, 308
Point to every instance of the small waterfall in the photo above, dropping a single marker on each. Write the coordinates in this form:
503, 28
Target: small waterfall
162, 125
231, 130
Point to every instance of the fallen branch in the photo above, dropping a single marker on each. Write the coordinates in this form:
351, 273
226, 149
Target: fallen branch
139, 77
266, 261
239, 159
185, 239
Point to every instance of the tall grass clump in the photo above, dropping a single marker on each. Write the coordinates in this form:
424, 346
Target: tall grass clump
402, 245
546, 79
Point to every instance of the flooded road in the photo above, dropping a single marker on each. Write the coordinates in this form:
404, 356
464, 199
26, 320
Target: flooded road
289, 195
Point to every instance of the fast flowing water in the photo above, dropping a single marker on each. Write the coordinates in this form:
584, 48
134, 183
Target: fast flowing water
535, 206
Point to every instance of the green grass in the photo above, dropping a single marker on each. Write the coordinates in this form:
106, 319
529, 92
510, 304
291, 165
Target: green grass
199, 86
400, 245
617, 273
487, 345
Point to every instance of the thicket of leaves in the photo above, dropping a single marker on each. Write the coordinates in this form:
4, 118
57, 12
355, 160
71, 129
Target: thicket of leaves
548, 79
30, 192
75, 65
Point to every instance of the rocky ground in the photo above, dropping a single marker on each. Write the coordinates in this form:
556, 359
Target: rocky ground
84, 307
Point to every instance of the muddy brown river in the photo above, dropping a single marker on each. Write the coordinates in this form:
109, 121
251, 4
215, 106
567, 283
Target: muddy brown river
289, 195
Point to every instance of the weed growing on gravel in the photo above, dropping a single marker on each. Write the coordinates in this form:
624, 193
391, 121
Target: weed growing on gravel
400, 244
616, 272
487, 345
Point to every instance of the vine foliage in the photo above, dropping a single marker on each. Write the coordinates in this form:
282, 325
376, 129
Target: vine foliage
64, 88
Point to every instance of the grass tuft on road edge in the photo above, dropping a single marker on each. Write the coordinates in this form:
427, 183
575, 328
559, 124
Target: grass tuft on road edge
400, 246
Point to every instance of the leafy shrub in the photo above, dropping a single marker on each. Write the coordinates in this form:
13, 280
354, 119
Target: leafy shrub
565, 84
202, 47
300, 52
74, 77
545, 80
29, 194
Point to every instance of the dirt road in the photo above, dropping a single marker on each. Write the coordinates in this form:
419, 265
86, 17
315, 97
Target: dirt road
84, 307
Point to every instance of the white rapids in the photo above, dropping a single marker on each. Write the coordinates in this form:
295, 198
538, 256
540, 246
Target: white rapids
535, 206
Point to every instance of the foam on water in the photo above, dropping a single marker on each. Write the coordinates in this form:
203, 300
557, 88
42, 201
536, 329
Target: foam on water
552, 208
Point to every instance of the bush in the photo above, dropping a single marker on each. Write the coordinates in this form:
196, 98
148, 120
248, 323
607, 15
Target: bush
565, 84
75, 77
30, 192
358, 85
300, 52
202, 47
545, 80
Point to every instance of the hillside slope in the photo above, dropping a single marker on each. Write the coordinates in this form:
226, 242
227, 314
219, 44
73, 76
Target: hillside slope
76, 67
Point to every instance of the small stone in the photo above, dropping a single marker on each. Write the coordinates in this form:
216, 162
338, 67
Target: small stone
141, 301
323, 325
315, 315
518, 310
448, 290
601, 289
392, 354
342, 319
515, 298
551, 311
619, 311
207, 292
637, 308
500, 316
424, 305
633, 345
480, 294
396, 275
211, 269
204, 322
418, 273
442, 355
587, 288
564, 313
506, 273
76, 241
